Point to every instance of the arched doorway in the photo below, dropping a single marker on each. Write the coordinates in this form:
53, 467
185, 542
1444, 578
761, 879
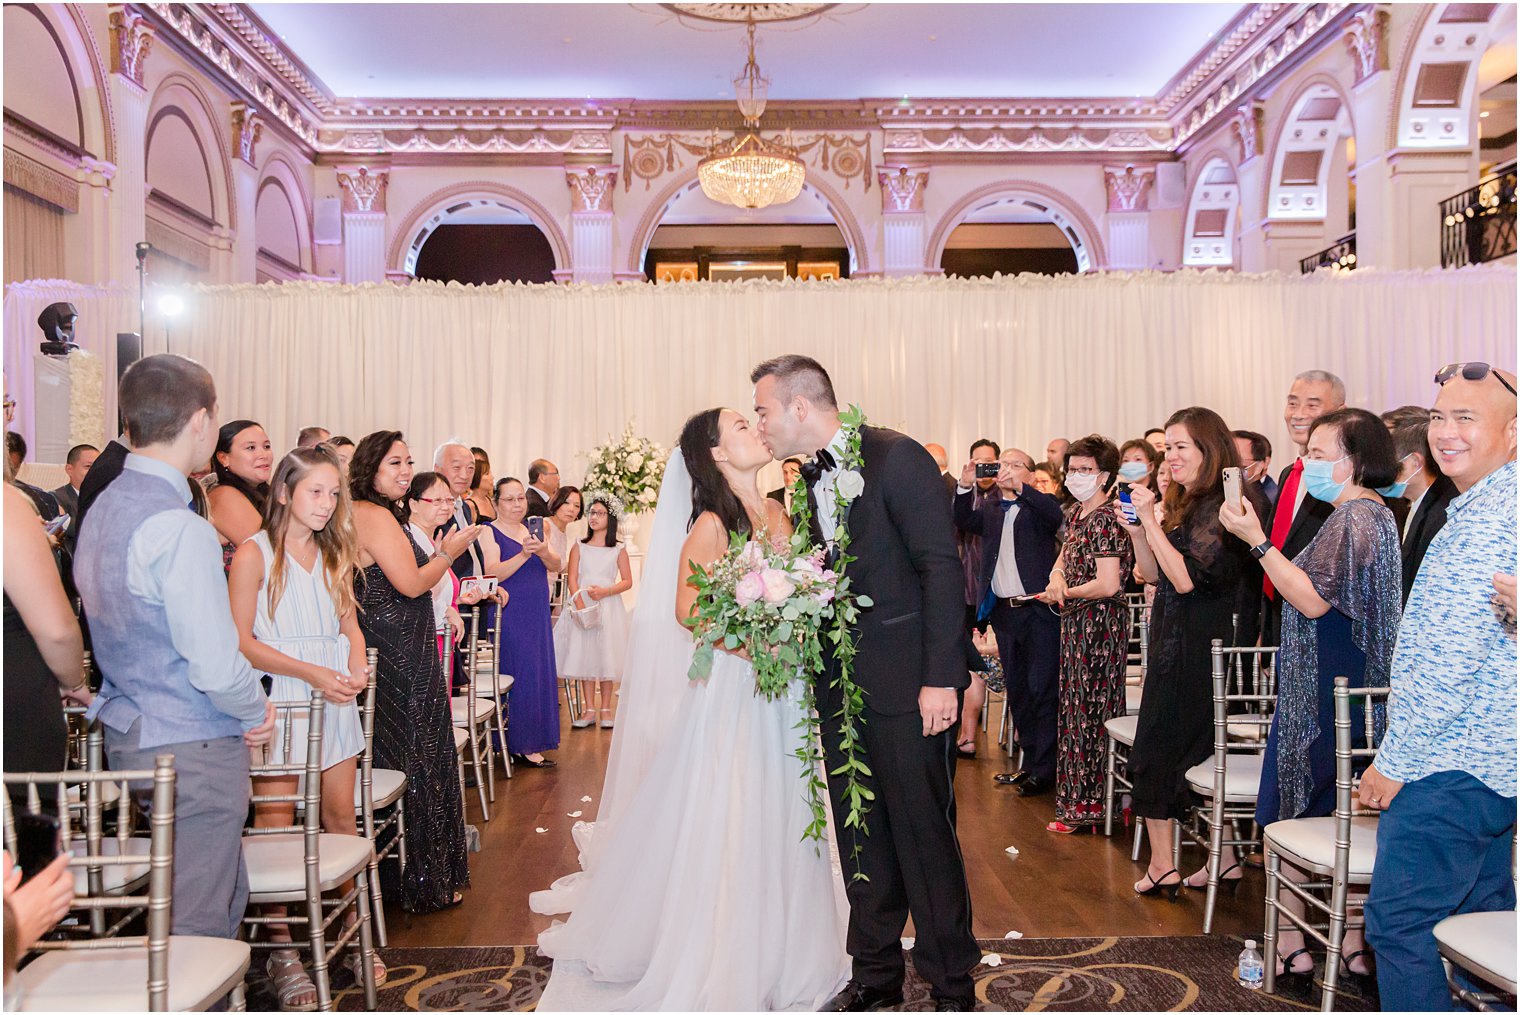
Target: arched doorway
1014, 227
479, 233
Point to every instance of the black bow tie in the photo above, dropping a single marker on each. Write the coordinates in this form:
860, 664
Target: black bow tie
822, 462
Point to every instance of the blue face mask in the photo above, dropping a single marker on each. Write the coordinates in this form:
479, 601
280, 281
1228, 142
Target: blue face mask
1133, 472
1317, 481
1396, 489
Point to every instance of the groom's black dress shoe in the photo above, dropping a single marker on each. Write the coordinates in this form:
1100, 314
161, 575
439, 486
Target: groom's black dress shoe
1010, 778
1035, 786
954, 1004
857, 996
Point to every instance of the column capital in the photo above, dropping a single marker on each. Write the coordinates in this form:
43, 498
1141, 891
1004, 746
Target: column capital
363, 188
132, 40
902, 189
591, 188
247, 129
1249, 126
1128, 187
1367, 40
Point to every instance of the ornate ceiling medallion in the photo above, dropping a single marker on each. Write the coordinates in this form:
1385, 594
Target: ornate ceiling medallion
741, 13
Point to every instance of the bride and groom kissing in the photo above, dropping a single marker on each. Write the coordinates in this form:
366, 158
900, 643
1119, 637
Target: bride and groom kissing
699, 889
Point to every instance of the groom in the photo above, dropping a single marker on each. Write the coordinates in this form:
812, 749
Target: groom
912, 667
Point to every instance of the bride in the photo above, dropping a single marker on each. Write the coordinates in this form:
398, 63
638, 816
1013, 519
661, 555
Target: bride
698, 890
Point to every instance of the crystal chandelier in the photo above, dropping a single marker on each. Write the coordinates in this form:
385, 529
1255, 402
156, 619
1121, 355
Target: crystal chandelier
748, 171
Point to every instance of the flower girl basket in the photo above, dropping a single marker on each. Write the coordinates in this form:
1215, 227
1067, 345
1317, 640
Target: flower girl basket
586, 612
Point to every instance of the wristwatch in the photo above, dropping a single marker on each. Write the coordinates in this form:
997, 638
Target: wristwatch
1261, 549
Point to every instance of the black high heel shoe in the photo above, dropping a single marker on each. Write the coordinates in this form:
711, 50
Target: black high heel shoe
1231, 885
526, 762
1171, 888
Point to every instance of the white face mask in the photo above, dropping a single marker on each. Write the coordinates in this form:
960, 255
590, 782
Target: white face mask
1083, 487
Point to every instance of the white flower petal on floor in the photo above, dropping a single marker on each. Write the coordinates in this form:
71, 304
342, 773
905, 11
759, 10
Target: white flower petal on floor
585, 800
540, 831
573, 814
1012, 935
992, 959
1012, 851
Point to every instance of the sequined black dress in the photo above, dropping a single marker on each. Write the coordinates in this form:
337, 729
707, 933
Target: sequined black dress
414, 734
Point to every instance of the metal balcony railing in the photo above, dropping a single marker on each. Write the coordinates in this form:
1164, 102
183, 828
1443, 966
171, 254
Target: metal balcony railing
1478, 224
1340, 255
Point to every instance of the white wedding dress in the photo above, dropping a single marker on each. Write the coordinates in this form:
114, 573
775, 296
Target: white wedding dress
698, 891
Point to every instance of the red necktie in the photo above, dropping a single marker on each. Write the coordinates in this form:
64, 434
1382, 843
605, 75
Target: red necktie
1282, 520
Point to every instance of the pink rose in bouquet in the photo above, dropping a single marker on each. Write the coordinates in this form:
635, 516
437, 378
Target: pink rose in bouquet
778, 587
750, 589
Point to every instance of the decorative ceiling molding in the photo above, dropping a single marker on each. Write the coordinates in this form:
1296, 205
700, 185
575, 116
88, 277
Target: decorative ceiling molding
1026, 138
442, 139
647, 157
203, 32
41, 181
1266, 53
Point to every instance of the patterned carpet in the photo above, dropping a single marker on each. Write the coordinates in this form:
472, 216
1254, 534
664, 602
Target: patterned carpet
1049, 974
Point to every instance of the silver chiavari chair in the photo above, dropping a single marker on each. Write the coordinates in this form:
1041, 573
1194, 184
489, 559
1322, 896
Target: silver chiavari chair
154, 971
490, 686
379, 789
1333, 854
471, 715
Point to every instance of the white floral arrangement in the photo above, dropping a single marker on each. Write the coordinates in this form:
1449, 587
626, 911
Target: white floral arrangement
629, 468
87, 405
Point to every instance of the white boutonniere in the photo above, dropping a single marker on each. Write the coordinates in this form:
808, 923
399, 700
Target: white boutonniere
849, 484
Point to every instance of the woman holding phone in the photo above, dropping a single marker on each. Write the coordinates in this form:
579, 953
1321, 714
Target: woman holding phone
430, 504
1341, 597
527, 634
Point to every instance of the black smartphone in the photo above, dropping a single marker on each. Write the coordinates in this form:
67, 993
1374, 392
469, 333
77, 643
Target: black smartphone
37, 843
987, 470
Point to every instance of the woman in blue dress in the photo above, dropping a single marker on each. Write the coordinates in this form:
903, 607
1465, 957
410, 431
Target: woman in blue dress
527, 635
1340, 618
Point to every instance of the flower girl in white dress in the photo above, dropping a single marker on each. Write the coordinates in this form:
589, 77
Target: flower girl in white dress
591, 635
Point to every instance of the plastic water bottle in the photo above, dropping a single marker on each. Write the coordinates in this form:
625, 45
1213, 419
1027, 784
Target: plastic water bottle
1249, 968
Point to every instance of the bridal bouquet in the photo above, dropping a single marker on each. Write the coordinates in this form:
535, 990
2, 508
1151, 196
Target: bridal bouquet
780, 609
629, 467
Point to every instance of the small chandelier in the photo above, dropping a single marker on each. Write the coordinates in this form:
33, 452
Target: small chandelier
746, 170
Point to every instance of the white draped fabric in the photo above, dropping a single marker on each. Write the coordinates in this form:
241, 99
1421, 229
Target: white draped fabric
529, 371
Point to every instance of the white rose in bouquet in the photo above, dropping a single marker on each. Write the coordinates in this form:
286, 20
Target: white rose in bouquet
635, 462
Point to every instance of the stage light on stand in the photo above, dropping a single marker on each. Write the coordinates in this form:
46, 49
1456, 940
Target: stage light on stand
170, 306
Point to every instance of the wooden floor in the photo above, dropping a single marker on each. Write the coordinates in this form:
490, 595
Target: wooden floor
1058, 886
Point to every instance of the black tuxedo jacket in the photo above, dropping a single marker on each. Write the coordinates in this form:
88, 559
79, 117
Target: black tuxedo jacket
904, 548
1423, 527
1034, 535
1306, 525
778, 495
105, 470
537, 506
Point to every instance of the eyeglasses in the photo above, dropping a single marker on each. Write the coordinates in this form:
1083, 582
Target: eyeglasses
1471, 372
1085, 470
450, 501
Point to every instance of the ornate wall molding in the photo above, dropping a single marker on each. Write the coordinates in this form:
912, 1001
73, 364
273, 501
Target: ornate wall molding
1027, 138
902, 189
1069, 210
1367, 40
592, 190
352, 140
1248, 126
1128, 187
189, 249
40, 181
131, 42
247, 129
363, 188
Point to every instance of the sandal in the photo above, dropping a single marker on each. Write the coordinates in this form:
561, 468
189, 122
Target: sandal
607, 719
586, 720
966, 748
291, 981
1287, 964
353, 963
1229, 884
1365, 954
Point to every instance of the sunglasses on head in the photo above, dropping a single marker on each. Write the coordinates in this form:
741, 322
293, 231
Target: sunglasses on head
1472, 372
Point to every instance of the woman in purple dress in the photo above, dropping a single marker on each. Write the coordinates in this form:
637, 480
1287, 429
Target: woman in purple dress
527, 634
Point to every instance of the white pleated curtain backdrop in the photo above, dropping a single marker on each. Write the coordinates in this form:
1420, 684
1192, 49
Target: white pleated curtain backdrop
530, 371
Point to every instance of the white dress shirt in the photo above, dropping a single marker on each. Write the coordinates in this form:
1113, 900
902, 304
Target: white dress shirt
1006, 582
823, 490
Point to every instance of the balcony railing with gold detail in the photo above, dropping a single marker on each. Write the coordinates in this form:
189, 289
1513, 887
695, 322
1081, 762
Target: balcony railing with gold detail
1478, 225
1340, 255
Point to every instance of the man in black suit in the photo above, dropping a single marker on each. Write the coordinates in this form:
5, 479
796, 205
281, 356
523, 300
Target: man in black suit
942, 462
1421, 483
76, 466
790, 470
1018, 530
1255, 461
911, 666
106, 468
543, 484
1297, 517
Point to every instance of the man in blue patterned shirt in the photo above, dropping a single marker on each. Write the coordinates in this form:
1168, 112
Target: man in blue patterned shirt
1445, 774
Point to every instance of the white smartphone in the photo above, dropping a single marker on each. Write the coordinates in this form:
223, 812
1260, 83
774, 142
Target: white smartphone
1232, 487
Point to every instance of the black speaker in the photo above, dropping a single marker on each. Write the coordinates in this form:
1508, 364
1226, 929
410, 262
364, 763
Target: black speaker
128, 351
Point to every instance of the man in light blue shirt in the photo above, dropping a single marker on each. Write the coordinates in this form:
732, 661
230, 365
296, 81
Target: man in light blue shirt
1445, 773
149, 570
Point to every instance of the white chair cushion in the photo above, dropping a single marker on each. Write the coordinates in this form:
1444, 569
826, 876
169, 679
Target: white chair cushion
1122, 729
1133, 672
1481, 943
1312, 840
116, 879
201, 971
1132, 698
463, 709
110, 792
483, 688
276, 863
461, 738
1242, 777
386, 785
1253, 731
